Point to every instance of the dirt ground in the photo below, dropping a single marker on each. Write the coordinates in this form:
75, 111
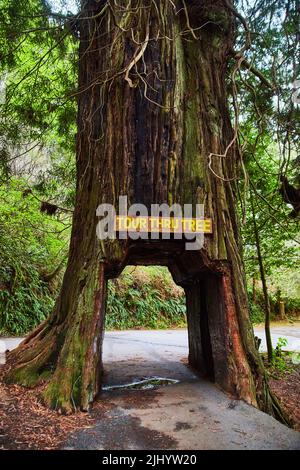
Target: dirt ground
25, 423
286, 387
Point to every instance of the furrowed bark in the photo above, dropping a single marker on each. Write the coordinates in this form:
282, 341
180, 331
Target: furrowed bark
152, 109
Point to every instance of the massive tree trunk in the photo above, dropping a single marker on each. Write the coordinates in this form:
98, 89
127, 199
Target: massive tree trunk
153, 124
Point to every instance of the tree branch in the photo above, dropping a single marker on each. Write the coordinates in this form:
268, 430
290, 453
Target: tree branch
254, 70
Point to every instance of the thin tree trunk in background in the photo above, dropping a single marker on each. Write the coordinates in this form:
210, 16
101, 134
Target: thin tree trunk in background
254, 289
282, 315
267, 307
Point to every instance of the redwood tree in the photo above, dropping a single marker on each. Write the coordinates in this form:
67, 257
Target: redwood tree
153, 124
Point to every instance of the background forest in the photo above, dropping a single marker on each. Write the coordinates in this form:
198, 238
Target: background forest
38, 66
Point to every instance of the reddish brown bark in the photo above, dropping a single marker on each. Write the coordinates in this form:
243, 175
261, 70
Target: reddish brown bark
153, 124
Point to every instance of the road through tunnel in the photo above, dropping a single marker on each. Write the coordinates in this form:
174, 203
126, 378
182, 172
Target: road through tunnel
207, 307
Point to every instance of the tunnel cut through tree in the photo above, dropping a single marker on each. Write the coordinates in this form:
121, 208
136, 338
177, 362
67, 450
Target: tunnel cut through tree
153, 124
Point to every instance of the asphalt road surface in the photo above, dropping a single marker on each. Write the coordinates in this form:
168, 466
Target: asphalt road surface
191, 414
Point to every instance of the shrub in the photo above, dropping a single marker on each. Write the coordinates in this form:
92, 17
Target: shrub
30, 243
256, 312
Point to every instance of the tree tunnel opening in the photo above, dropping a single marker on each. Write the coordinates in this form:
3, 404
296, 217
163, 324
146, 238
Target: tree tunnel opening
148, 310
207, 321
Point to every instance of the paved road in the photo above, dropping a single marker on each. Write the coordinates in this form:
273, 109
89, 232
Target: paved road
174, 339
193, 414
179, 337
